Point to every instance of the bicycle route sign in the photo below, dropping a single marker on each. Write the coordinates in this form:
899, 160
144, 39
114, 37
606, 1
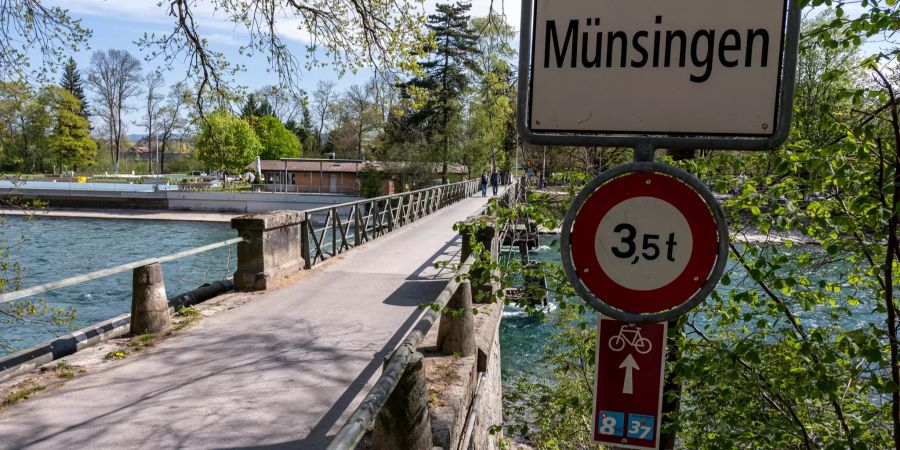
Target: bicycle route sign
629, 383
644, 242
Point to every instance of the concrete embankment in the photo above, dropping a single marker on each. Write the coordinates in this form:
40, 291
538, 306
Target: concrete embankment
124, 214
232, 202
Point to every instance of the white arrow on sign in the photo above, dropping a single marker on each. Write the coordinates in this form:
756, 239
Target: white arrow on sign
629, 364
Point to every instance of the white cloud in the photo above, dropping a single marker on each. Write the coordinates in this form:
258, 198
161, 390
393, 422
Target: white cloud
223, 39
292, 29
145, 11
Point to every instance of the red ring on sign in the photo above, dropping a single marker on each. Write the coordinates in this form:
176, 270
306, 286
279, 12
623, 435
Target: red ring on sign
679, 195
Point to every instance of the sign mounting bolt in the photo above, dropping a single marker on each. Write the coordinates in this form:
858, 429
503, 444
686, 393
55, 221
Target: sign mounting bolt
765, 126
586, 270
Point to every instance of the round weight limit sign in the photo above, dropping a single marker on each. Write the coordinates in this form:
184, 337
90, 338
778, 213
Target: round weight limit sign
644, 242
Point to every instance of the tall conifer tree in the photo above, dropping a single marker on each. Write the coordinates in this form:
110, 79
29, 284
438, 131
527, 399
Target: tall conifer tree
71, 81
451, 56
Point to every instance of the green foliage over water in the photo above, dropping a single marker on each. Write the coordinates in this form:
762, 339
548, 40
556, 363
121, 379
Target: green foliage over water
798, 348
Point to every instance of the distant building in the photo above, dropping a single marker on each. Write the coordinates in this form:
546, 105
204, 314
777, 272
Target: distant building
333, 176
141, 152
137, 152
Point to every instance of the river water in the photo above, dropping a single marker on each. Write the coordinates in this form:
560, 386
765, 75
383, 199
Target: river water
49, 249
523, 337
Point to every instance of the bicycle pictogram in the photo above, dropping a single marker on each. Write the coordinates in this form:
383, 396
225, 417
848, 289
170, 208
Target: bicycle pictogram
631, 335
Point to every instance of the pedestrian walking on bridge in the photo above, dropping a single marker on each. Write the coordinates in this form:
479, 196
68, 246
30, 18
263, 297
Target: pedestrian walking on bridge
495, 181
484, 183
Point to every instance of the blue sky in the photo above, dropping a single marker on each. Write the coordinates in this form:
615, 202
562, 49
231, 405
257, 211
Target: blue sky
119, 23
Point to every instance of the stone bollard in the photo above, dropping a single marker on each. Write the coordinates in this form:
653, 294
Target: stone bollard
149, 305
456, 332
272, 249
482, 288
404, 422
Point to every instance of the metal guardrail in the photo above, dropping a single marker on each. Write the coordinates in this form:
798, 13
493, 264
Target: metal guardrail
53, 285
382, 215
357, 425
332, 230
346, 225
352, 432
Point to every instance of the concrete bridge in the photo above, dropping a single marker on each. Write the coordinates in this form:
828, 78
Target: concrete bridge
288, 367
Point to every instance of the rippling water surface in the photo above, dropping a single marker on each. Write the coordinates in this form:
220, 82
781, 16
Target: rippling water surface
49, 249
522, 337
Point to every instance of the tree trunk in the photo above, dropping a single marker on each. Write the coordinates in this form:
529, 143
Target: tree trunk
162, 157
446, 156
892, 249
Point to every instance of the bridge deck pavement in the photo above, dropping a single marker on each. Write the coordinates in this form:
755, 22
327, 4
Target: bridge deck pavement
284, 370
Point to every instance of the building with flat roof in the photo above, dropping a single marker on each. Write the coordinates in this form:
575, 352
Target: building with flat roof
334, 176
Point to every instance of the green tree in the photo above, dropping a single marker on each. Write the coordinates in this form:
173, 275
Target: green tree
492, 109
226, 143
276, 140
255, 107
370, 182
13, 97
70, 140
799, 348
71, 81
36, 123
445, 78
302, 129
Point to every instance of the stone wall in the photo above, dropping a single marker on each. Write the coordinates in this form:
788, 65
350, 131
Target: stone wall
452, 383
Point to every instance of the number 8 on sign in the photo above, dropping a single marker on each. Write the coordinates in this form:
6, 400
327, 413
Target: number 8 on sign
611, 423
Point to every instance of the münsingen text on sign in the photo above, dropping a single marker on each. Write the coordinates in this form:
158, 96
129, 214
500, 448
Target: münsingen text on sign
655, 48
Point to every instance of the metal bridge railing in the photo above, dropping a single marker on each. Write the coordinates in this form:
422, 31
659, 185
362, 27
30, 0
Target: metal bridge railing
59, 284
352, 432
361, 420
332, 230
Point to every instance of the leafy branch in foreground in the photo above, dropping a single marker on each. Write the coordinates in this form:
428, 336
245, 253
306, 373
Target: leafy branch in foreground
30, 27
382, 34
32, 312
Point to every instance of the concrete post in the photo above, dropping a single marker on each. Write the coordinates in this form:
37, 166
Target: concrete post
305, 245
482, 287
357, 238
404, 422
485, 235
456, 332
272, 249
149, 305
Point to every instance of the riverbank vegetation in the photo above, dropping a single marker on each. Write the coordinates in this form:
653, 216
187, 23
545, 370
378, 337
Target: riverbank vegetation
798, 346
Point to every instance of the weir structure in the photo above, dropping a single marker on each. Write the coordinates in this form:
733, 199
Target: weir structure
440, 387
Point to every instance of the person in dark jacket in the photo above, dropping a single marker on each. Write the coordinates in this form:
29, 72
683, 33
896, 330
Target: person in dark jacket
495, 182
484, 183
